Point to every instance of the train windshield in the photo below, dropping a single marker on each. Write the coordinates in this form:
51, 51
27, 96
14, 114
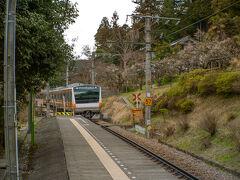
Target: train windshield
86, 94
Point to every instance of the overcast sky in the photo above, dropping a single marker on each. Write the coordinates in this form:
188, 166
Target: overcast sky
91, 13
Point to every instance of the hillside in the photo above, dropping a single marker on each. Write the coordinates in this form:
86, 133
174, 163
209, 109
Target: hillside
206, 124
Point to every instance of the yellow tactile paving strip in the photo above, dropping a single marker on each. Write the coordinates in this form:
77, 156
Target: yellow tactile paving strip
113, 169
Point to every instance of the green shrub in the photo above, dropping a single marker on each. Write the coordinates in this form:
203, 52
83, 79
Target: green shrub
168, 79
207, 86
190, 80
127, 88
164, 112
175, 91
225, 81
185, 105
163, 103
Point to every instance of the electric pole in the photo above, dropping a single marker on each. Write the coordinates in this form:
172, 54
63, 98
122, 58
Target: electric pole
48, 105
67, 73
93, 68
148, 73
10, 110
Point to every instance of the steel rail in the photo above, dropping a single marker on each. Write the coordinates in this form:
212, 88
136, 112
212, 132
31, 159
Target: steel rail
172, 167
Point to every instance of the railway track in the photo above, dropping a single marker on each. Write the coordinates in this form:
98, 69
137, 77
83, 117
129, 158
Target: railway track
180, 173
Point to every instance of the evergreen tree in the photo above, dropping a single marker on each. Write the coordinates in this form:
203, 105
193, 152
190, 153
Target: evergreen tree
103, 34
226, 23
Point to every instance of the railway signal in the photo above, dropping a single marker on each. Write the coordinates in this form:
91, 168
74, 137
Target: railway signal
137, 99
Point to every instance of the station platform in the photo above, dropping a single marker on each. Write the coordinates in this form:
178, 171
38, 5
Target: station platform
92, 153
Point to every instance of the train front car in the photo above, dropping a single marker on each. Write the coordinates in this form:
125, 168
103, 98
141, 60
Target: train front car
88, 100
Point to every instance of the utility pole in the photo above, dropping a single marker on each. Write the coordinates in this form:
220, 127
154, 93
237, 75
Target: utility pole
32, 115
10, 107
148, 73
67, 73
48, 105
93, 68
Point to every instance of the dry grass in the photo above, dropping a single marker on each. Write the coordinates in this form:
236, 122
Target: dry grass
234, 129
220, 119
205, 142
117, 111
231, 116
107, 103
169, 130
209, 123
183, 123
23, 114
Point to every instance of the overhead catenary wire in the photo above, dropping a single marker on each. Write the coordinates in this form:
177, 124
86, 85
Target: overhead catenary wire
181, 28
155, 23
209, 3
207, 17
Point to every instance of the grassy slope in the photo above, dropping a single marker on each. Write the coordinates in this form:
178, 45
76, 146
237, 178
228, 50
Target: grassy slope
220, 147
117, 111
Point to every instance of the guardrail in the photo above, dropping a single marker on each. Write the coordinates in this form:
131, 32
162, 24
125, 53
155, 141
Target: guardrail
126, 101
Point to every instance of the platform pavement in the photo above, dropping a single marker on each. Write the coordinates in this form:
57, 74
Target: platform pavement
48, 160
83, 163
63, 153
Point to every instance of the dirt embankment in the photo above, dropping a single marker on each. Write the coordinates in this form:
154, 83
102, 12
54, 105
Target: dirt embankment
117, 111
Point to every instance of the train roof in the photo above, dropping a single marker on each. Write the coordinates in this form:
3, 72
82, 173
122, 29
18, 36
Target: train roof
70, 86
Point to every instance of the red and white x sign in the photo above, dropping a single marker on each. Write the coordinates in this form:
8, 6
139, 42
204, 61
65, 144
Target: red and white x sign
136, 97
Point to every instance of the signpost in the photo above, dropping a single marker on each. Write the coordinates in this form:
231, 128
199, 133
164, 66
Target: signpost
137, 99
148, 101
136, 113
149, 127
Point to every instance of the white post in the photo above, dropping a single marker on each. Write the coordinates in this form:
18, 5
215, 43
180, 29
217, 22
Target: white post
64, 104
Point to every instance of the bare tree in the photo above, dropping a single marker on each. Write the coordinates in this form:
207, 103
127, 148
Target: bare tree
127, 51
